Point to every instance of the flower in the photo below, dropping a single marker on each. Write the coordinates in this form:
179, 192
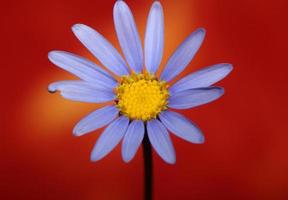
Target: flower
140, 102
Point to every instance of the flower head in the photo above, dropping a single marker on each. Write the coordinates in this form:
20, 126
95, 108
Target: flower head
141, 97
140, 100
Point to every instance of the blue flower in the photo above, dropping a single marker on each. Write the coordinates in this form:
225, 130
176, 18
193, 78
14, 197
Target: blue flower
139, 101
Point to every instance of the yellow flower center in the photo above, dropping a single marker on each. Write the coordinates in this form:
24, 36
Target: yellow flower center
141, 96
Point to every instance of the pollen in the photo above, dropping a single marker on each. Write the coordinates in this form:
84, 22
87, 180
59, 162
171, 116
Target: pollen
141, 96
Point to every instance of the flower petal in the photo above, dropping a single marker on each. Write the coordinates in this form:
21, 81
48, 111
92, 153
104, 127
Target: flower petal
194, 97
96, 120
110, 137
183, 55
181, 127
160, 140
154, 38
128, 36
82, 91
132, 140
82, 68
202, 78
62, 85
101, 49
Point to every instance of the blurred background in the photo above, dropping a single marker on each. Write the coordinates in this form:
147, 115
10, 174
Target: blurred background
245, 154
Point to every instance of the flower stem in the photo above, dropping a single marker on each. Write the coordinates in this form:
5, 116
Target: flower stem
148, 173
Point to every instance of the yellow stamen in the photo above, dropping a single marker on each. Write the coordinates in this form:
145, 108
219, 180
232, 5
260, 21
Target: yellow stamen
141, 96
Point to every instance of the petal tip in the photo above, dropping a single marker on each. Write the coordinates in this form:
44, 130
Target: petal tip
54, 55
225, 66
221, 91
76, 132
229, 67
201, 31
119, 3
201, 140
171, 161
51, 54
94, 157
157, 4
76, 27
52, 88
126, 159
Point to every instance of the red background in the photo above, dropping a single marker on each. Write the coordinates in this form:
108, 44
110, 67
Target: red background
245, 154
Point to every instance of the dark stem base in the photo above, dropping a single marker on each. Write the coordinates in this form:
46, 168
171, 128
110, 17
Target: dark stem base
148, 173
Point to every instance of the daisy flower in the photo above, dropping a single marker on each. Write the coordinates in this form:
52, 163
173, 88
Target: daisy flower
137, 102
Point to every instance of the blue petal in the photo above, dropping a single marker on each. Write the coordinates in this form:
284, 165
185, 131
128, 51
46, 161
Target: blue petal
183, 55
128, 36
154, 38
202, 78
132, 140
195, 97
109, 138
160, 140
181, 127
82, 91
82, 68
101, 49
63, 85
96, 120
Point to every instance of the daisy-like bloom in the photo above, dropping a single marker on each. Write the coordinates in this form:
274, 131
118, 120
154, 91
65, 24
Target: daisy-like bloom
140, 101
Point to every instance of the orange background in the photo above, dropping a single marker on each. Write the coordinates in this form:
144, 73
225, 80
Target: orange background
245, 154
